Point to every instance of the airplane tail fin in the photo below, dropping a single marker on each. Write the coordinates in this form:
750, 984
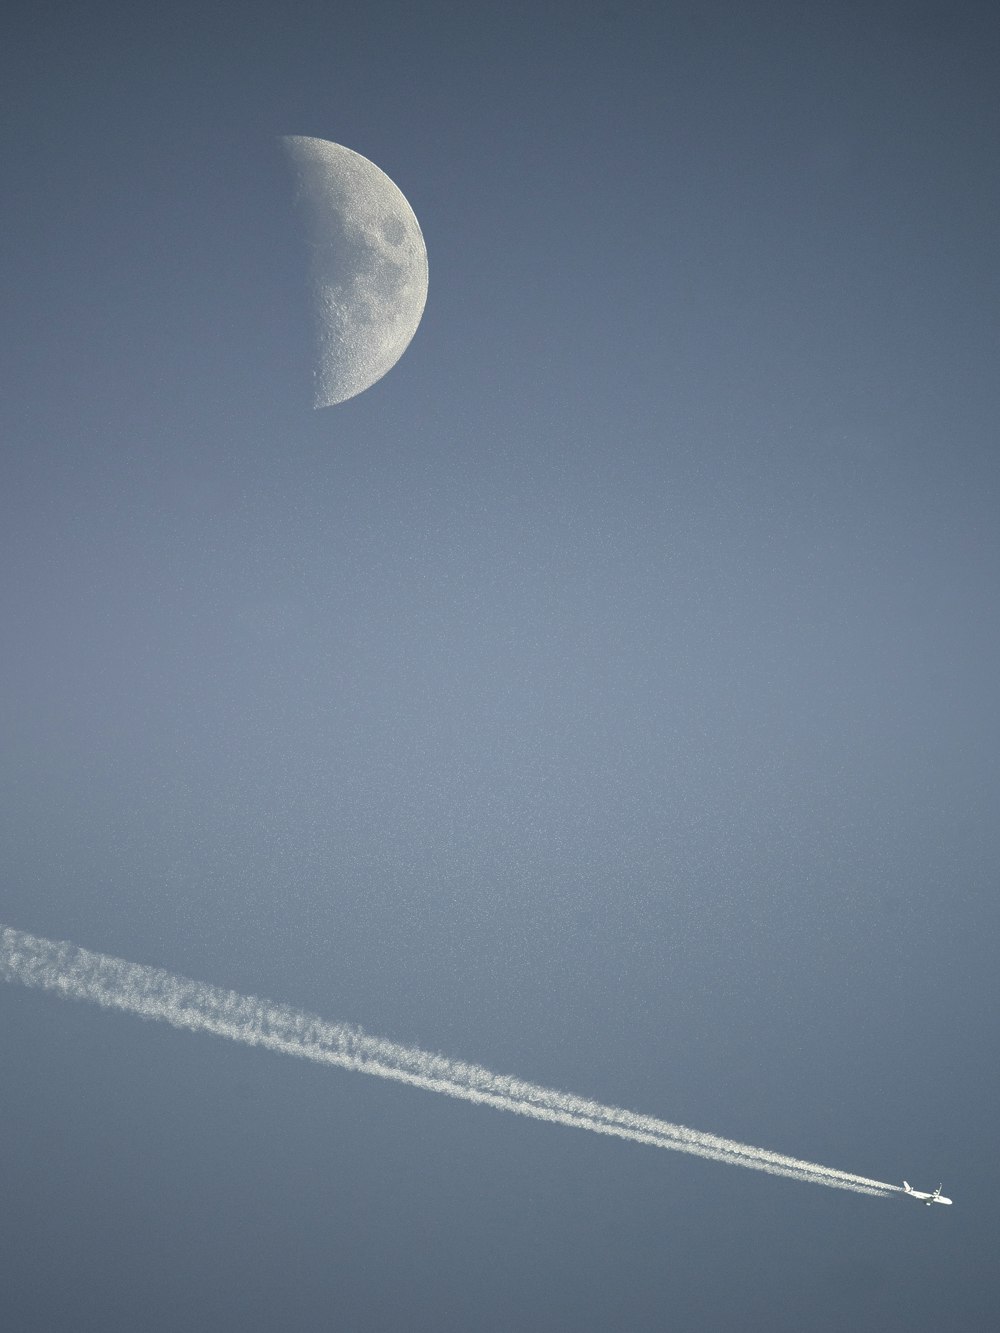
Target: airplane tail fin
906, 1186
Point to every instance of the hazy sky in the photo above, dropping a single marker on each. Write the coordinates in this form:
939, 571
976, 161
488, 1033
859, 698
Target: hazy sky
607, 696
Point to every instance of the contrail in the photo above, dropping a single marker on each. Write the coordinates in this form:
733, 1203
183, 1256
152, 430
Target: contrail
150, 992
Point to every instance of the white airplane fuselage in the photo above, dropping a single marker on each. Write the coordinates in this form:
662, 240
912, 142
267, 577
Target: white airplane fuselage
928, 1199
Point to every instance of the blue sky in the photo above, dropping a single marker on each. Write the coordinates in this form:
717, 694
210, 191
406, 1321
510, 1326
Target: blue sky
607, 696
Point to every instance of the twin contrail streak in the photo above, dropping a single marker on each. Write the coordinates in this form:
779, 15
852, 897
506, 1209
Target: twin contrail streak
149, 992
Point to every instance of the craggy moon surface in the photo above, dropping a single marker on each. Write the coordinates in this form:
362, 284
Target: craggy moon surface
368, 266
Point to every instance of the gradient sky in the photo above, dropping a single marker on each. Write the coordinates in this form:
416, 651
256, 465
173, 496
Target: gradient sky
608, 696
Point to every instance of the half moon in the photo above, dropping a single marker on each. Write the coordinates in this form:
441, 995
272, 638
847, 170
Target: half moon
368, 266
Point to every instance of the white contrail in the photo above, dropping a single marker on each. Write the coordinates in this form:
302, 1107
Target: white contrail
149, 992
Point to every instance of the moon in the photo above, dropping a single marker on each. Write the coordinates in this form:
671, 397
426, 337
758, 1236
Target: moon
368, 266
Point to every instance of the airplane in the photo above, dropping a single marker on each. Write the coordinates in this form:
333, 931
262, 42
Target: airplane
928, 1199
